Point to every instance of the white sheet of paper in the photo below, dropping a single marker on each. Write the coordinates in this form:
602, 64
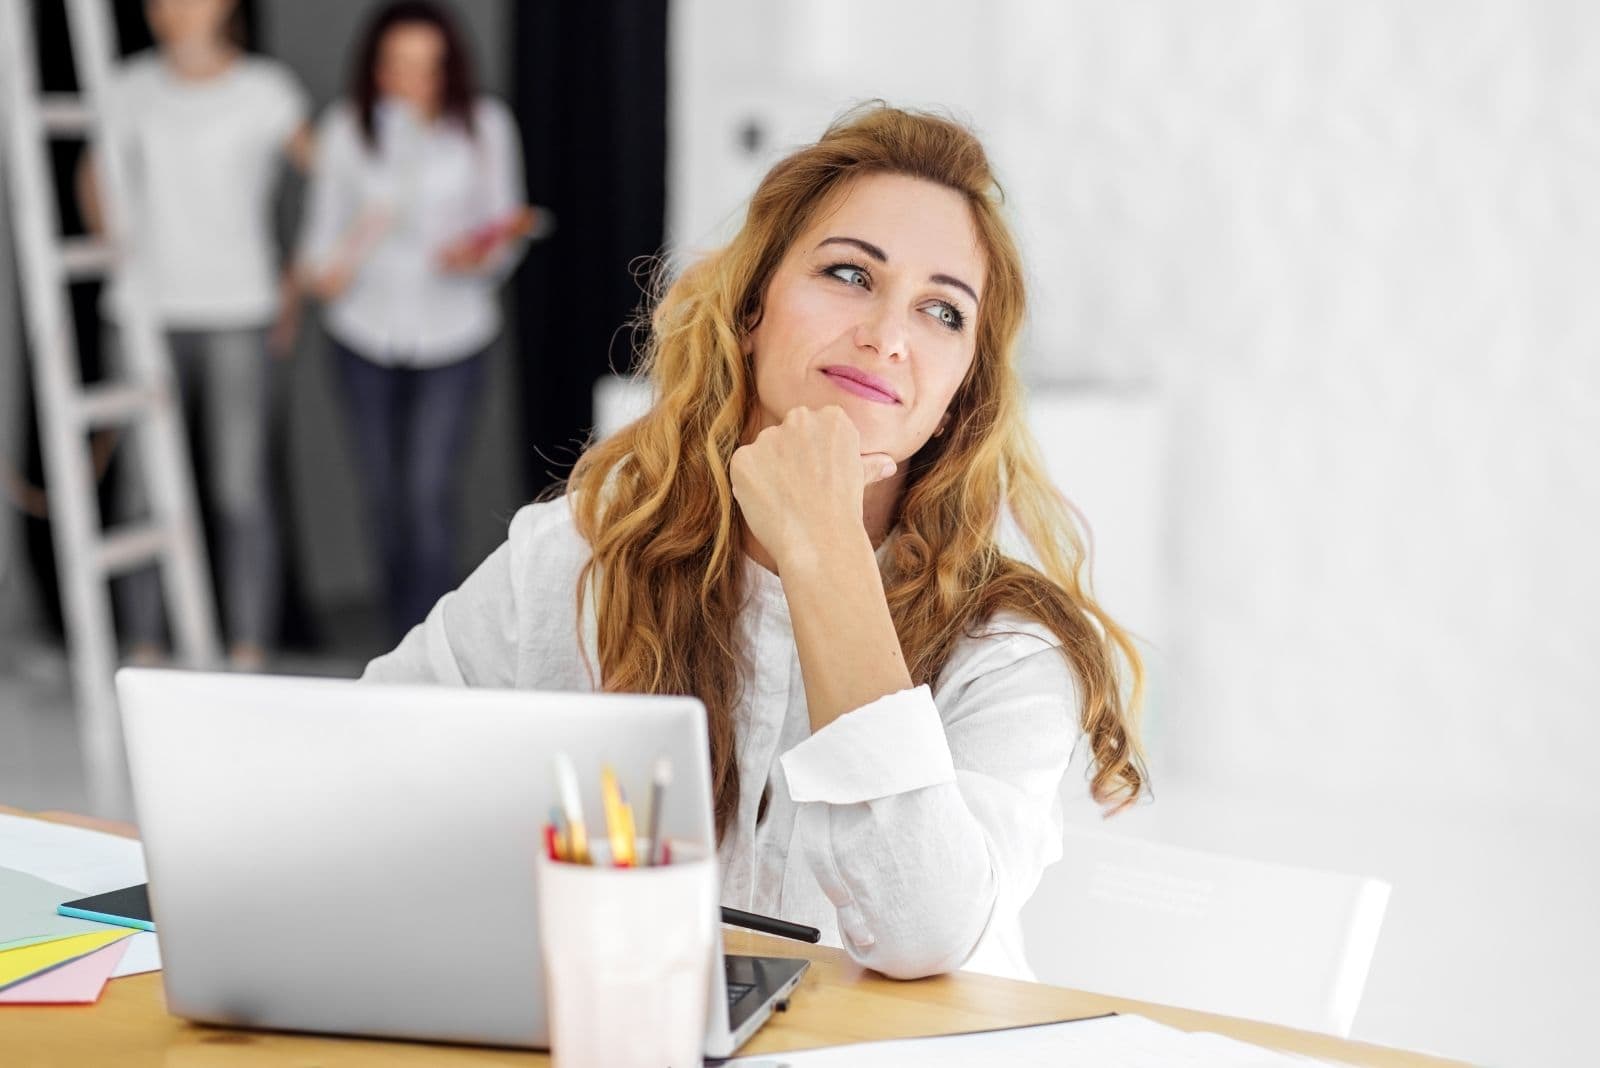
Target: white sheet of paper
143, 955
90, 862
1108, 1042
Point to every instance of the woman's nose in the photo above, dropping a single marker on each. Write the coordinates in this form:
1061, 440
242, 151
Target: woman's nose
883, 333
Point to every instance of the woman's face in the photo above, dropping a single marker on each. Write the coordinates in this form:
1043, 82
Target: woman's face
411, 65
874, 308
188, 24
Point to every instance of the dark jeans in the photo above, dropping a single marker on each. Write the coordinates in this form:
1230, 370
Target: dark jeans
410, 427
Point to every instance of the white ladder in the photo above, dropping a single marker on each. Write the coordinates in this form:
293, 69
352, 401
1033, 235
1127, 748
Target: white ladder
87, 555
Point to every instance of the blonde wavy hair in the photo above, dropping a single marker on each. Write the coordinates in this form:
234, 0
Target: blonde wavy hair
655, 503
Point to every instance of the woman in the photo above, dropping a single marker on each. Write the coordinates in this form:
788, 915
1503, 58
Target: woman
802, 533
205, 129
415, 218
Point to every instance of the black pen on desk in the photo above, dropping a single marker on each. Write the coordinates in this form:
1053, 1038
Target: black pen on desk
767, 925
658, 789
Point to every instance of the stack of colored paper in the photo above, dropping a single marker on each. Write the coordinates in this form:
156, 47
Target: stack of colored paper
46, 958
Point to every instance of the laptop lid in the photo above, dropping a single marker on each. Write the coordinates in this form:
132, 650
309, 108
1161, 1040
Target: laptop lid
333, 856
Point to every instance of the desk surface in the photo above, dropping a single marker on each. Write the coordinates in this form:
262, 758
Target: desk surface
837, 1002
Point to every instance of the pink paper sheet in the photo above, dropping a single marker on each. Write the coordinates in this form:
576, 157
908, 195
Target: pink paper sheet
77, 982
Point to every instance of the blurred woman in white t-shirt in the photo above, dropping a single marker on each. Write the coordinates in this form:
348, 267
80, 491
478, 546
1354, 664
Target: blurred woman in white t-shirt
415, 217
205, 129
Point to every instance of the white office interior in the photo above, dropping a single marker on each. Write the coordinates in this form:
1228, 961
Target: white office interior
1307, 348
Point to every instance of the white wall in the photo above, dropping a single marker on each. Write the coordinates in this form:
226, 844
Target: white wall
1347, 244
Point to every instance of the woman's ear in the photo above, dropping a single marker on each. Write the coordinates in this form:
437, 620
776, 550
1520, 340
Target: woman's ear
748, 322
943, 423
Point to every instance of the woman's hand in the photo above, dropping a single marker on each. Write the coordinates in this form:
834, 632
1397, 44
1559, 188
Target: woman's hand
472, 251
330, 285
466, 256
800, 484
286, 327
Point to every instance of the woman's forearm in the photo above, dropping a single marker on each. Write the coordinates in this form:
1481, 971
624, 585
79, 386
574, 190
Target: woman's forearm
849, 652
301, 148
86, 186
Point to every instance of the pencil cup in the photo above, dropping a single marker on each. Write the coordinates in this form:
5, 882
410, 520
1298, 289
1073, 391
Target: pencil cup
627, 957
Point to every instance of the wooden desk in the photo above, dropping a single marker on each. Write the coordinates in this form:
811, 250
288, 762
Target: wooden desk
837, 1002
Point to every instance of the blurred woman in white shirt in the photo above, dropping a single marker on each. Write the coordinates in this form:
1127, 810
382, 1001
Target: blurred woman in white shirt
205, 129
803, 532
415, 218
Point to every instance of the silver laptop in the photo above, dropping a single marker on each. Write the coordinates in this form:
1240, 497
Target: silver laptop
333, 856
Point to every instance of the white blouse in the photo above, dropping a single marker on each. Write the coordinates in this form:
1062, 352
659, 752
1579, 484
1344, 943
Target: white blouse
423, 186
911, 831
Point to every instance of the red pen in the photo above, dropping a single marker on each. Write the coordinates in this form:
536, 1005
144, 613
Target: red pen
550, 841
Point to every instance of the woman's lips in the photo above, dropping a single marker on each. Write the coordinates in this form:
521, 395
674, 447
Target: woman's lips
861, 384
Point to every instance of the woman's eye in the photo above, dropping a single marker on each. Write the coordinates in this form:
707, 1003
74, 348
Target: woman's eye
850, 275
948, 314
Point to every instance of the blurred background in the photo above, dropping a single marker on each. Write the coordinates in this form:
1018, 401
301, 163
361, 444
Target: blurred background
1307, 348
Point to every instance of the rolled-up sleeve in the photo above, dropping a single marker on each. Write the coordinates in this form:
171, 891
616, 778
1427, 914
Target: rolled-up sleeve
920, 815
844, 763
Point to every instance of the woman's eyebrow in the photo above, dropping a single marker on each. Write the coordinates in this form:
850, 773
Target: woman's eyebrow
870, 249
883, 257
945, 279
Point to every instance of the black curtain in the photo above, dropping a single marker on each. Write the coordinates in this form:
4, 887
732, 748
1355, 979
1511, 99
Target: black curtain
590, 85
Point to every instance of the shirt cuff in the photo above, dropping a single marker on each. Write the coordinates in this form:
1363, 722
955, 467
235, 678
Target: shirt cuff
893, 745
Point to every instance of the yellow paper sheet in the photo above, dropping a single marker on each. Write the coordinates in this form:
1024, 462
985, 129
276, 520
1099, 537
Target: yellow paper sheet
18, 964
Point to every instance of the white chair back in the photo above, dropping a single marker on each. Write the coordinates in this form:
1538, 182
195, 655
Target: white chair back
1218, 934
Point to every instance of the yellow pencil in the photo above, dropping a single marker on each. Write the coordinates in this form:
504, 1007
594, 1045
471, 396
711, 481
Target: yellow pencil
618, 819
630, 833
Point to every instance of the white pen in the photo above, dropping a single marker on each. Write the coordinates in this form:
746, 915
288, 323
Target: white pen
658, 789
567, 783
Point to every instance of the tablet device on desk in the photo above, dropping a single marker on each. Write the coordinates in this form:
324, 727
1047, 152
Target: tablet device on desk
353, 858
128, 907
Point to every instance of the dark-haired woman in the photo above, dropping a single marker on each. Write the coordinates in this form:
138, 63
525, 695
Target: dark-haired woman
415, 218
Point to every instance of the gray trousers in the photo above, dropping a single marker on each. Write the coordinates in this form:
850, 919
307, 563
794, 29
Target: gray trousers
227, 376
